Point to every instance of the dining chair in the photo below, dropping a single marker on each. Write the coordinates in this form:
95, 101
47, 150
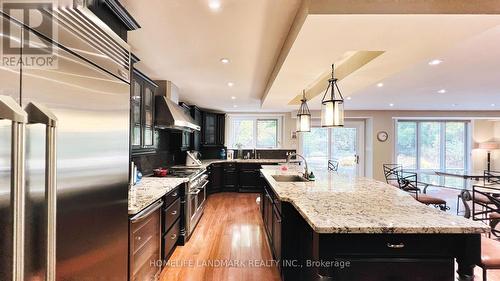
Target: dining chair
490, 257
408, 182
494, 222
487, 208
391, 173
491, 177
333, 165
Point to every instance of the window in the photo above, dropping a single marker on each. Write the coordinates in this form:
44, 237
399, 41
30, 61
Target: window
342, 144
255, 132
432, 145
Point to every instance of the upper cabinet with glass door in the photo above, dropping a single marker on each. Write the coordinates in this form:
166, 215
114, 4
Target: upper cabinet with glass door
142, 113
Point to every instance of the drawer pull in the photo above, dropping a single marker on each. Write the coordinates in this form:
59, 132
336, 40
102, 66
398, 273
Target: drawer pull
173, 236
174, 213
139, 238
396, 246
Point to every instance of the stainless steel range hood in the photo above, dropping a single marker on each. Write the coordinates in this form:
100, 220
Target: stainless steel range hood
168, 114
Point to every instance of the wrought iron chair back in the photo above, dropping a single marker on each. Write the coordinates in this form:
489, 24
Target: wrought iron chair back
483, 211
491, 177
391, 173
333, 165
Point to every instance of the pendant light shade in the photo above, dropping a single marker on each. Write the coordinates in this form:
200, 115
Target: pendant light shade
303, 115
332, 105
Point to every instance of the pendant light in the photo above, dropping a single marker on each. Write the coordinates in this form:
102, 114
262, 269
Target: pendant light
303, 115
332, 106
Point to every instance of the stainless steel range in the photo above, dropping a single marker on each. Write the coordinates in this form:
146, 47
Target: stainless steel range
194, 199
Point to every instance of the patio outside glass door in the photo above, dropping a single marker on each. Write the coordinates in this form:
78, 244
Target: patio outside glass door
342, 144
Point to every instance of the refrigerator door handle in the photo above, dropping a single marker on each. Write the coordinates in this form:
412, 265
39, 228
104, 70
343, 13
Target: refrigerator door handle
39, 114
10, 110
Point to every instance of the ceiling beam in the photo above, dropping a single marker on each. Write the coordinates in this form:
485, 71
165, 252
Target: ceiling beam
404, 7
344, 68
298, 21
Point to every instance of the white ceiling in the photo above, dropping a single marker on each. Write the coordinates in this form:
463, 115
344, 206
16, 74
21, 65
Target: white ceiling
183, 41
468, 45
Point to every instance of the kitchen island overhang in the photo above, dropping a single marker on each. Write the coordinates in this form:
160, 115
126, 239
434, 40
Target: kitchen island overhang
381, 231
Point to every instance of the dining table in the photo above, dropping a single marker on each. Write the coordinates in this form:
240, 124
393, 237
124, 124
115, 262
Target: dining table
462, 180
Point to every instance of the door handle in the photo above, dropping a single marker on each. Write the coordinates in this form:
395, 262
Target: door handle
148, 211
356, 158
39, 114
10, 110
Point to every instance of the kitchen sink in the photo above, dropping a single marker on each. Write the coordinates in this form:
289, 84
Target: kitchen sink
289, 178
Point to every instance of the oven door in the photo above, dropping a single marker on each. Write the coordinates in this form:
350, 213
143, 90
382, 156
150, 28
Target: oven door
202, 195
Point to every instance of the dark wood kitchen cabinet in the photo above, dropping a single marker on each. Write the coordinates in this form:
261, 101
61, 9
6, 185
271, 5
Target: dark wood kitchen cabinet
216, 177
249, 179
171, 222
230, 177
142, 113
271, 216
212, 129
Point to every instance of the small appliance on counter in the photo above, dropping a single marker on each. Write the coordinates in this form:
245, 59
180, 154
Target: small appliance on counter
230, 154
222, 154
160, 172
192, 159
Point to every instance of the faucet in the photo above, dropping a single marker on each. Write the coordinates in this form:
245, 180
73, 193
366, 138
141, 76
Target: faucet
306, 171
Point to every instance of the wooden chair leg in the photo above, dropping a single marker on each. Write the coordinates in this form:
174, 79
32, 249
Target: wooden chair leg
485, 274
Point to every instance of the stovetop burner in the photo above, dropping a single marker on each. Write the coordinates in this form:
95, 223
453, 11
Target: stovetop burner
184, 172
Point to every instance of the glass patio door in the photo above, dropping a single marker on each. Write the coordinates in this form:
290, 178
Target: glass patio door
342, 144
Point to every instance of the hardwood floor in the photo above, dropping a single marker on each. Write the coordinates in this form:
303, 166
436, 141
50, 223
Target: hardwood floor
231, 230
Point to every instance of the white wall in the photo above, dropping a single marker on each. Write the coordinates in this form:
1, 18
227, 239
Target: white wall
485, 131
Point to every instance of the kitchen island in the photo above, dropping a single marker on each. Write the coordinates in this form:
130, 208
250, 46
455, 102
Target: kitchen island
352, 228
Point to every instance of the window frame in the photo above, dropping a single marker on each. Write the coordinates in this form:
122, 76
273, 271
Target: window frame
255, 119
442, 142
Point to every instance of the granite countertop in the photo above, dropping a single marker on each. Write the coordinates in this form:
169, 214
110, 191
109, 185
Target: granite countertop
344, 204
148, 190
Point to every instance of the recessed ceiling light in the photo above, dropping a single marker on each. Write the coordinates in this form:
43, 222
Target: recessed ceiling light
435, 62
442, 91
380, 85
224, 60
348, 98
230, 84
492, 104
391, 104
234, 105
214, 5
233, 97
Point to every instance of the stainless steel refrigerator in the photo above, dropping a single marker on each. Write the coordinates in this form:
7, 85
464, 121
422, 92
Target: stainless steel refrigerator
64, 151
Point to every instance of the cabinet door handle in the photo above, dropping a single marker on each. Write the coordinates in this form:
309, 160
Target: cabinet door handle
173, 236
396, 246
174, 213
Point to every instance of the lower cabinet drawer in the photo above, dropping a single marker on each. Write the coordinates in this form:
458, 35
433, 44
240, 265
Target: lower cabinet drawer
384, 269
170, 240
393, 245
171, 214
